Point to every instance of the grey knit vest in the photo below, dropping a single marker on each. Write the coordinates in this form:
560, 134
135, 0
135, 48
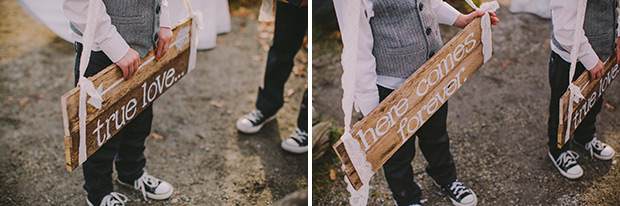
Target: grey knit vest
137, 21
600, 25
405, 35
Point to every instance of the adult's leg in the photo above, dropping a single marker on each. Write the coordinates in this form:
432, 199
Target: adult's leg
290, 29
398, 170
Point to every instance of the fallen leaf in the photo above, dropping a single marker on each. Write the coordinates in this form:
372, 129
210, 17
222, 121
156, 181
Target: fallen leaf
156, 136
299, 70
495, 59
286, 99
609, 106
24, 101
39, 96
219, 40
332, 174
10, 98
290, 92
506, 63
519, 59
216, 104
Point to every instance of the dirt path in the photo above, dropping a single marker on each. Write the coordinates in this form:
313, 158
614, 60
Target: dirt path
497, 125
203, 156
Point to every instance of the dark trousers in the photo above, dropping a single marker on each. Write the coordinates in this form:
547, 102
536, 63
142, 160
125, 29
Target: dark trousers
290, 28
435, 145
558, 81
125, 148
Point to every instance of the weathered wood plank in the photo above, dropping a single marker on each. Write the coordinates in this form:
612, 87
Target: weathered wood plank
592, 91
123, 99
385, 129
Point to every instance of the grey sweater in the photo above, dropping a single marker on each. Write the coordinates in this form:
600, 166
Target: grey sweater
405, 35
137, 21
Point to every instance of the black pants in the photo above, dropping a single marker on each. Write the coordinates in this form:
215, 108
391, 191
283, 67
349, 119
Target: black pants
558, 81
435, 145
125, 148
290, 28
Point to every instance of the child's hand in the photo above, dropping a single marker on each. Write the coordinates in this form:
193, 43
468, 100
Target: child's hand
129, 63
165, 36
463, 19
597, 72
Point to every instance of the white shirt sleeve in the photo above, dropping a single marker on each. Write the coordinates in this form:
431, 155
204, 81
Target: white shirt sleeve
564, 18
164, 17
366, 92
106, 37
445, 13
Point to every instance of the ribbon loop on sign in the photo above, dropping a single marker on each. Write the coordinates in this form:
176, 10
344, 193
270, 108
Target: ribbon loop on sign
485, 26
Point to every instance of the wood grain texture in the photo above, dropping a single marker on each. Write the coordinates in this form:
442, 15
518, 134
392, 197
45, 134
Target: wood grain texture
385, 129
123, 99
592, 91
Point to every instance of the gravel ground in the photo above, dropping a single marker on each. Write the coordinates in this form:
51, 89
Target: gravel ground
497, 123
203, 156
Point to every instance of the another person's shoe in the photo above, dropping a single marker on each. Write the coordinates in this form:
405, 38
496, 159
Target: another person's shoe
460, 194
112, 199
297, 143
253, 122
598, 149
151, 187
567, 164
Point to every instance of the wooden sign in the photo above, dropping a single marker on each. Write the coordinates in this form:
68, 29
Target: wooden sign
592, 91
386, 128
124, 99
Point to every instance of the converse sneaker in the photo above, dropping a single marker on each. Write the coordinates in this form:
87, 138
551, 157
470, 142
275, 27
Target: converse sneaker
598, 149
252, 122
297, 143
460, 194
112, 199
151, 187
567, 164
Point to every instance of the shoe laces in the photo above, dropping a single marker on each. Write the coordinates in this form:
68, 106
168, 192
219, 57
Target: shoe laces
114, 199
146, 181
567, 159
255, 116
595, 144
459, 190
300, 136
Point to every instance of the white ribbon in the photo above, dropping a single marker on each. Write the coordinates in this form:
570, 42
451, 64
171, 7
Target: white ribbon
575, 91
485, 26
266, 11
196, 24
86, 86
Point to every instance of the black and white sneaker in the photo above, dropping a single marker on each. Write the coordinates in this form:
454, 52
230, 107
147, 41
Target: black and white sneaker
598, 149
297, 143
112, 199
460, 194
151, 187
567, 164
252, 122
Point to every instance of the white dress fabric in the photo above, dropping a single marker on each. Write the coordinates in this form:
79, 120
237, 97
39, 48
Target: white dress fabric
538, 7
216, 18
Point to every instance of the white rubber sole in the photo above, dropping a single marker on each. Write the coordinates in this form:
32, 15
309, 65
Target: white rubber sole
613, 152
569, 176
251, 130
292, 148
475, 202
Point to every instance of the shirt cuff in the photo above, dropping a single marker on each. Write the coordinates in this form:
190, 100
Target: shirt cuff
367, 103
115, 48
447, 14
589, 60
164, 19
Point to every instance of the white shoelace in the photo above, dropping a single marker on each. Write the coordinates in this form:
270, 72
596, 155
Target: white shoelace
146, 180
567, 158
255, 115
594, 144
300, 136
114, 198
458, 188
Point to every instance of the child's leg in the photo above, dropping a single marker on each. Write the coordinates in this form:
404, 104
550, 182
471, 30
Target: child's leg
558, 81
398, 170
290, 29
586, 129
130, 160
434, 143
302, 118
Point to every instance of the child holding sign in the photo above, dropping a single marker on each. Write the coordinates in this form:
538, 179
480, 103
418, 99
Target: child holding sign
598, 44
125, 32
394, 39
